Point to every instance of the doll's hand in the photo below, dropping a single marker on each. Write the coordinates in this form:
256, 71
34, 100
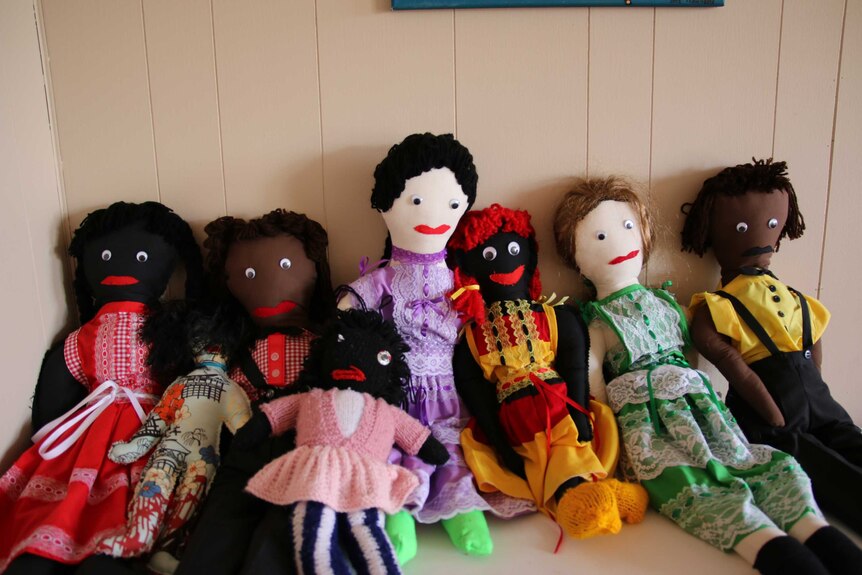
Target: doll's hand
253, 433
513, 461
433, 452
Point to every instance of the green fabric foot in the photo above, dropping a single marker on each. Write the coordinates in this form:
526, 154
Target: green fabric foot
401, 529
469, 533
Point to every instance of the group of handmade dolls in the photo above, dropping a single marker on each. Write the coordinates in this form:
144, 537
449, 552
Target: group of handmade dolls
437, 387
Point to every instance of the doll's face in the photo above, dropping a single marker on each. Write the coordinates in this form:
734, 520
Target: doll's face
609, 244
129, 264
424, 216
744, 229
503, 267
355, 358
272, 278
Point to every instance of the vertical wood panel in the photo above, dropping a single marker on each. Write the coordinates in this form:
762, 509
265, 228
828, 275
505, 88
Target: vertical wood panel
841, 277
807, 78
33, 306
101, 96
185, 108
383, 76
266, 64
522, 110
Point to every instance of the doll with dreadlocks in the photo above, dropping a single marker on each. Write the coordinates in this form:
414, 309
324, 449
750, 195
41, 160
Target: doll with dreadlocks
764, 336
271, 277
63, 496
521, 368
337, 484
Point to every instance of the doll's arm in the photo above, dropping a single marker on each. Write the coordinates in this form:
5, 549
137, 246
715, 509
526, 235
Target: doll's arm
571, 364
57, 390
481, 400
598, 348
717, 348
416, 439
817, 353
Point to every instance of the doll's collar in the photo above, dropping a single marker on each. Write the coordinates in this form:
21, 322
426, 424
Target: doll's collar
755, 271
123, 306
407, 257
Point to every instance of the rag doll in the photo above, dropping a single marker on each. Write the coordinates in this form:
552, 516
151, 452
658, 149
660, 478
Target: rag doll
63, 496
764, 336
421, 189
521, 368
680, 441
271, 280
184, 429
336, 485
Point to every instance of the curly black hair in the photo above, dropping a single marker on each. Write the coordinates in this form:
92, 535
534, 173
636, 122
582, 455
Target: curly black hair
395, 390
763, 176
155, 218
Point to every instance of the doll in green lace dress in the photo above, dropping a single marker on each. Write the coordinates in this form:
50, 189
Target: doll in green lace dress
680, 441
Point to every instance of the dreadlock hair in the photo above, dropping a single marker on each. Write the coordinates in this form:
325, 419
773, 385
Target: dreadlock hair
395, 390
475, 228
417, 154
762, 176
225, 231
152, 217
583, 198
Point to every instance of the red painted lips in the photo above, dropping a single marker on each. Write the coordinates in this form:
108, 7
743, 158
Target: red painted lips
351, 374
283, 307
508, 279
119, 281
423, 229
621, 259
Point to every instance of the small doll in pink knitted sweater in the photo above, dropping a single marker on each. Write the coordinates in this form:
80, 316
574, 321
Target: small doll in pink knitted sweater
337, 484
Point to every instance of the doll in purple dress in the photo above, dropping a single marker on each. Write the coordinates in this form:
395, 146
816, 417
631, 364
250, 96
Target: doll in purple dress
422, 188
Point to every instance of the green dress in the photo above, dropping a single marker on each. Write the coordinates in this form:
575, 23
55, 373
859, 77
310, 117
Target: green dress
679, 440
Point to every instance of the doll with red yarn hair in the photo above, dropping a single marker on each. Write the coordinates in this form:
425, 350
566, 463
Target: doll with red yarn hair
521, 369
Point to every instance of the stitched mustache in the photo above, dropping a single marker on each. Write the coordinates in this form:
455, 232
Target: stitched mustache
757, 250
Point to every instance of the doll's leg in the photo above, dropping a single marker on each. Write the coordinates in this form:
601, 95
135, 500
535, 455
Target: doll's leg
401, 529
271, 549
369, 548
34, 565
106, 565
315, 540
469, 533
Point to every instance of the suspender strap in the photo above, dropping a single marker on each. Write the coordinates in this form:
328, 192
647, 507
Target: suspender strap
751, 322
251, 370
806, 320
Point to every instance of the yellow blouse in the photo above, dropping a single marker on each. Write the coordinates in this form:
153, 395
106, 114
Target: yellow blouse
775, 307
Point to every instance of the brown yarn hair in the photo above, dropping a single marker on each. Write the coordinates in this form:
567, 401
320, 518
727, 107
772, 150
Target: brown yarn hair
583, 198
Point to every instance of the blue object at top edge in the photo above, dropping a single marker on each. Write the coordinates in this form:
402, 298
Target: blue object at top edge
428, 4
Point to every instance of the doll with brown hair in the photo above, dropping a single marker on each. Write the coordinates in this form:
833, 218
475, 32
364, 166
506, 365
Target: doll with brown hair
765, 337
271, 276
521, 369
680, 441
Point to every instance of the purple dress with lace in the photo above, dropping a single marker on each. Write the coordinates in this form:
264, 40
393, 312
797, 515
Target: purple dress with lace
417, 286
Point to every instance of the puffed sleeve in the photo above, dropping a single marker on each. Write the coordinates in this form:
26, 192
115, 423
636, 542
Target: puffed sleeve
723, 315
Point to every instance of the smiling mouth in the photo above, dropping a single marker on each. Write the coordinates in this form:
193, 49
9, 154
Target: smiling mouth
621, 259
284, 307
423, 229
508, 279
353, 373
119, 281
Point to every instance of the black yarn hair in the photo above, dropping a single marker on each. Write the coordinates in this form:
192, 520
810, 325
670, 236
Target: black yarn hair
395, 391
762, 176
154, 218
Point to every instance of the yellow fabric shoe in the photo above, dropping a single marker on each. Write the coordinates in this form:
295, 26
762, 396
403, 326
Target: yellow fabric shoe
588, 510
632, 500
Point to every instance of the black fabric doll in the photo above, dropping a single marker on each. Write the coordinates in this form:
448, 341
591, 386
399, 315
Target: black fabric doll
63, 497
337, 484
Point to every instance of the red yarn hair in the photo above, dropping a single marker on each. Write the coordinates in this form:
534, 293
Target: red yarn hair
475, 228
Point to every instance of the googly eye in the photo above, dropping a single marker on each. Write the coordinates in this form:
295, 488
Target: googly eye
284, 263
742, 227
142, 256
339, 338
250, 273
106, 255
601, 235
628, 224
415, 200
384, 357
773, 223
454, 204
513, 248
489, 253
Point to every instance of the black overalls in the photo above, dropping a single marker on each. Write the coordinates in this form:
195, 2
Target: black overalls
818, 432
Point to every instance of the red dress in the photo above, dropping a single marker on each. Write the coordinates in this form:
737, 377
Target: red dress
62, 508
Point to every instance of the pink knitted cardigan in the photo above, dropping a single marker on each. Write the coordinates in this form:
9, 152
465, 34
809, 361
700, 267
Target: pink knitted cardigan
346, 473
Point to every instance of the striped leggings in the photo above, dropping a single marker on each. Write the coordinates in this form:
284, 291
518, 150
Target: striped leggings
328, 542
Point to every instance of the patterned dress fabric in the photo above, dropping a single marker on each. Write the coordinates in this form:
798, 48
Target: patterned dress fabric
412, 292
679, 440
62, 508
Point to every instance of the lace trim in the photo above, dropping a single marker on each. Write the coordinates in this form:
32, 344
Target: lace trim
668, 382
13, 483
44, 488
55, 543
412, 258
